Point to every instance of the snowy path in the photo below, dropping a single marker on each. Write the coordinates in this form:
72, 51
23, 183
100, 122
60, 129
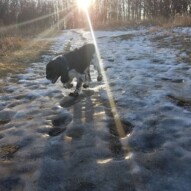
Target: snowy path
152, 93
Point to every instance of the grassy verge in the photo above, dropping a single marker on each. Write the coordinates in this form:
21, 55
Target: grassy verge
17, 53
177, 41
176, 21
171, 39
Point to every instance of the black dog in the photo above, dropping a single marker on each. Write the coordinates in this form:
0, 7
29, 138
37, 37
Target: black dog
75, 64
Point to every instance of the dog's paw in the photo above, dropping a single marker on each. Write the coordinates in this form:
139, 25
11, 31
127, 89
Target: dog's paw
85, 86
99, 78
74, 94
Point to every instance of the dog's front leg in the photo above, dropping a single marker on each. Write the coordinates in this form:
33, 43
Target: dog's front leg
87, 78
78, 88
95, 62
68, 85
99, 77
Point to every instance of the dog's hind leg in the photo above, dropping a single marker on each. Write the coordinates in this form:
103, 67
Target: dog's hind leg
87, 75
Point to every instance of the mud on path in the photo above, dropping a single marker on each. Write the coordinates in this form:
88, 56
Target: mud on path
49, 141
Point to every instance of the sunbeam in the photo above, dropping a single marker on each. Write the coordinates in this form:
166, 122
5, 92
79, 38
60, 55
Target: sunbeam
49, 31
25, 22
6, 28
115, 113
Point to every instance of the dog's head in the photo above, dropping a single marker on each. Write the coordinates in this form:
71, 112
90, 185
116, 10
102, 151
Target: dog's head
56, 68
88, 50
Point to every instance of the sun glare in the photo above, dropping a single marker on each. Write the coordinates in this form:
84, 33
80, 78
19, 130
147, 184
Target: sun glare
84, 4
116, 116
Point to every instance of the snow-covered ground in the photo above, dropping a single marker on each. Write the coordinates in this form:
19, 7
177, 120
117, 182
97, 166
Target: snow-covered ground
151, 90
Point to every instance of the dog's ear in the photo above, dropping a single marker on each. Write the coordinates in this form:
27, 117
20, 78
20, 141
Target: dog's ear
58, 65
64, 73
65, 78
49, 68
55, 66
63, 70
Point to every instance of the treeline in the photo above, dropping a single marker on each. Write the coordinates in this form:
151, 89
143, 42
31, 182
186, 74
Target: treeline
125, 10
41, 14
27, 16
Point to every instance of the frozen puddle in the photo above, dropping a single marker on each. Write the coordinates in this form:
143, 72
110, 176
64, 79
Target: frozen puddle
49, 141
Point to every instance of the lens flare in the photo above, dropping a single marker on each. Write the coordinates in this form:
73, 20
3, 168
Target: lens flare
84, 4
118, 124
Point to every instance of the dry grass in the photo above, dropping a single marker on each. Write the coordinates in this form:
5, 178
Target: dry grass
125, 37
178, 41
17, 53
173, 40
177, 21
157, 22
10, 44
182, 21
115, 25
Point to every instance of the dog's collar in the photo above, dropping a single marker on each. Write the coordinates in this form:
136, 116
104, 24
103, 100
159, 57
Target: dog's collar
66, 62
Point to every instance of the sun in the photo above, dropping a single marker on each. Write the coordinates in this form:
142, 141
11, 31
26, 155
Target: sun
84, 4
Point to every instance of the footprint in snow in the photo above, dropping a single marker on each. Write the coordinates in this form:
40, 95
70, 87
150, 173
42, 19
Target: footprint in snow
60, 123
69, 101
75, 132
56, 131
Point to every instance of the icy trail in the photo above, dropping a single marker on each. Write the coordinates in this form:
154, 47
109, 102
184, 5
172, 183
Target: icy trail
50, 142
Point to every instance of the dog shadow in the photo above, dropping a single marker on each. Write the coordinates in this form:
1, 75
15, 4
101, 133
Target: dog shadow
69, 101
87, 111
89, 108
81, 107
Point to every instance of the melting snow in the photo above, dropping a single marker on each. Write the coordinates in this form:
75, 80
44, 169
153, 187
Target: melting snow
152, 94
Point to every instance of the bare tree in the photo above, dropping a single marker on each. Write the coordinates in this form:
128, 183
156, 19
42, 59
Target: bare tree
64, 14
